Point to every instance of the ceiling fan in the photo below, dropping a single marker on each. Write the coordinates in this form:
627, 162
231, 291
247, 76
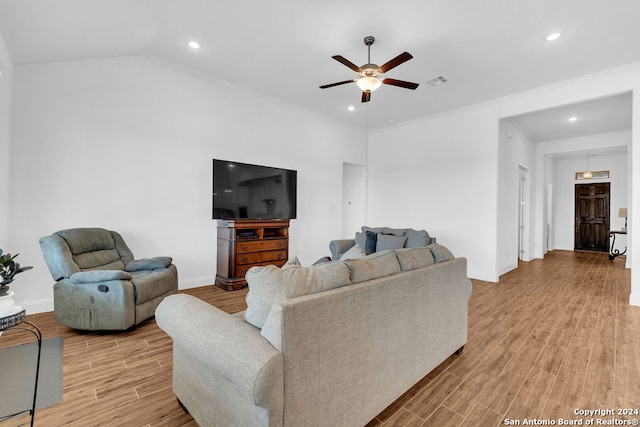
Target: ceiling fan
369, 73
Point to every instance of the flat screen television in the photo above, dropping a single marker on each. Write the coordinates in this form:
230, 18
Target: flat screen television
244, 191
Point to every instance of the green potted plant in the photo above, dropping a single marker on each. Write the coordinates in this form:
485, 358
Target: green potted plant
8, 269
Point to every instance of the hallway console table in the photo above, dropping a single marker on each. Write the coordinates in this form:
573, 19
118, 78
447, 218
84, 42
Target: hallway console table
614, 253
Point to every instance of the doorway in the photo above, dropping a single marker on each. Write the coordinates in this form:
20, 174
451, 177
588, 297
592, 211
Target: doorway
523, 214
592, 217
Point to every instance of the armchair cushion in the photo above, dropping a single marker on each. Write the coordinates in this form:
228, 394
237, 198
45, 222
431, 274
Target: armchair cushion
96, 276
148, 263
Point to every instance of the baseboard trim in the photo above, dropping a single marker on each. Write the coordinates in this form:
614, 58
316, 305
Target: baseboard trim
39, 306
197, 282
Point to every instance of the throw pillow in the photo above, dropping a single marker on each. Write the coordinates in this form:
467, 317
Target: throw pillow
440, 253
417, 239
292, 262
388, 242
374, 266
361, 240
376, 230
412, 258
395, 231
270, 284
355, 252
370, 242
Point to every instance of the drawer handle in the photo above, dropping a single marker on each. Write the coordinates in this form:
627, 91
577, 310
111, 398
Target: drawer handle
279, 256
245, 259
279, 245
245, 247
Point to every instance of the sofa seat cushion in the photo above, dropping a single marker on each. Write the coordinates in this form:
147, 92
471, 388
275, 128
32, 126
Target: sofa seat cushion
412, 258
270, 284
150, 284
380, 264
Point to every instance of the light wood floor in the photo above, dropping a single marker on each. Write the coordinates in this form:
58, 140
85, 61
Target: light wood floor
553, 335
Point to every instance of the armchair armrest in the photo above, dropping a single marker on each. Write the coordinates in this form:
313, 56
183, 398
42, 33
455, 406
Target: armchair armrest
229, 348
95, 276
148, 263
338, 247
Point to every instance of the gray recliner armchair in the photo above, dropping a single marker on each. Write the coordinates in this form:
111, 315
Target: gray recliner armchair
99, 285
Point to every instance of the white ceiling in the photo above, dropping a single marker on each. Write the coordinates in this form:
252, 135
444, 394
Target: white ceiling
282, 49
603, 115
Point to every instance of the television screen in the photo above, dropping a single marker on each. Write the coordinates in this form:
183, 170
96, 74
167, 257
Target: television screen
248, 191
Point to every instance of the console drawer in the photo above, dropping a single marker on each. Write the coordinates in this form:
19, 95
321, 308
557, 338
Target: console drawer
241, 270
256, 257
260, 245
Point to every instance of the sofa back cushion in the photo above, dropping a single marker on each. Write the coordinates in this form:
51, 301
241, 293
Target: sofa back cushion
84, 249
270, 284
412, 258
374, 266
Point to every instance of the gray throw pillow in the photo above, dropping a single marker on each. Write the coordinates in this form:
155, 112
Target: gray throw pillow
395, 231
270, 284
374, 266
412, 258
376, 230
440, 253
417, 239
388, 242
361, 239
355, 252
371, 242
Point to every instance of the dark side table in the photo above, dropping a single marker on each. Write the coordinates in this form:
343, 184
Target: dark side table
18, 320
615, 252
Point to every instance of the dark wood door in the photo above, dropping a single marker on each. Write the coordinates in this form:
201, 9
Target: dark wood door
592, 217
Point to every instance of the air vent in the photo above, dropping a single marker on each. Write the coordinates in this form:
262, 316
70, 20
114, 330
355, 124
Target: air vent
437, 81
594, 175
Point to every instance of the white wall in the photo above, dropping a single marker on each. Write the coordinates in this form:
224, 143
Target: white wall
515, 151
126, 144
442, 172
6, 86
440, 176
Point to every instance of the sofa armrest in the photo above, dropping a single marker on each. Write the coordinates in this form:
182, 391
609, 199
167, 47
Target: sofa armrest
148, 263
95, 276
339, 247
229, 347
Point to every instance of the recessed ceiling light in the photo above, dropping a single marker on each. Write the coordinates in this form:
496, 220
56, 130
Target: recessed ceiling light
194, 44
573, 119
553, 36
351, 108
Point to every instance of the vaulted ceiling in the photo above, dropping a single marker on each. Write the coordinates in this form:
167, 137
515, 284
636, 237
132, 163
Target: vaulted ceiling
282, 49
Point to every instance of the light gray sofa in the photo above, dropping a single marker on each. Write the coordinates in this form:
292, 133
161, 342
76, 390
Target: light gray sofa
376, 239
337, 357
99, 285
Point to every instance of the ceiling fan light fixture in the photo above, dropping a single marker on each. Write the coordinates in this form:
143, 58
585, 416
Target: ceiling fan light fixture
368, 84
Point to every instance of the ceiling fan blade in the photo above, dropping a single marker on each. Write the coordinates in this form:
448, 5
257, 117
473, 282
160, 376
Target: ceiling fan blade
403, 57
400, 83
337, 84
366, 96
345, 61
